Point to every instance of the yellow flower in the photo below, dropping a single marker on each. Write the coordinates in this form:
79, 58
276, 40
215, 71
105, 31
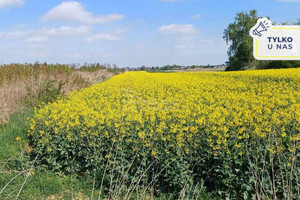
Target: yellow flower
272, 151
181, 110
153, 153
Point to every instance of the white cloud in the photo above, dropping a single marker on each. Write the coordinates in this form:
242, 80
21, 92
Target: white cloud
182, 29
192, 44
180, 47
77, 56
197, 16
76, 12
103, 37
113, 36
65, 31
121, 31
44, 34
37, 39
16, 34
11, 3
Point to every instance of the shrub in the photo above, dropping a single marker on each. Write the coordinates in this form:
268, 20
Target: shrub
48, 91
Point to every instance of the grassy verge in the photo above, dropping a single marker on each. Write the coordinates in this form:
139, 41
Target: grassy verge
16, 178
15, 129
13, 147
22, 88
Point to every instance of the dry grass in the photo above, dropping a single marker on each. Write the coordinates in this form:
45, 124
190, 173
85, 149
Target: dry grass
20, 83
11, 95
97, 76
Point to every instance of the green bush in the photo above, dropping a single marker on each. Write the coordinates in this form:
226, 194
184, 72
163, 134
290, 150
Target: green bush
47, 92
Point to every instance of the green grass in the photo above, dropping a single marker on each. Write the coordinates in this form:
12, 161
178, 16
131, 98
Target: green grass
39, 185
42, 185
17, 127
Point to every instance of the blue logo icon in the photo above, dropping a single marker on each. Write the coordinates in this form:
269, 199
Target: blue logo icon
260, 27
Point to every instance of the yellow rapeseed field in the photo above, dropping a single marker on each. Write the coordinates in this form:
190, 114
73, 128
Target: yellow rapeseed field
228, 126
180, 107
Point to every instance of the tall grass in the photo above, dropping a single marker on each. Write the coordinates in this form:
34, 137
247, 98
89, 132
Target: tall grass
36, 83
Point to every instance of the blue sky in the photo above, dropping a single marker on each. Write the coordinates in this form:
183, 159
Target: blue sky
126, 32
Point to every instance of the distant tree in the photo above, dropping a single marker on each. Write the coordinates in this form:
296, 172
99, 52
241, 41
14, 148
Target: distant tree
108, 65
143, 68
115, 66
240, 52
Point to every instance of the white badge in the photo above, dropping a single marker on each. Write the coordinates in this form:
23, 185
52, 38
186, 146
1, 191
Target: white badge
275, 42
